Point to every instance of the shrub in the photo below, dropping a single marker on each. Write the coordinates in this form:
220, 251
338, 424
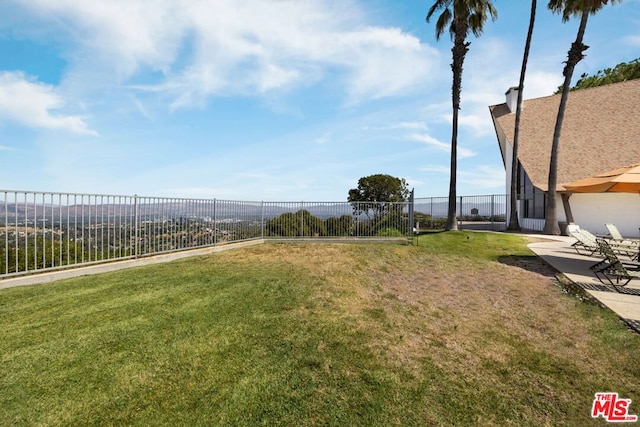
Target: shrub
389, 232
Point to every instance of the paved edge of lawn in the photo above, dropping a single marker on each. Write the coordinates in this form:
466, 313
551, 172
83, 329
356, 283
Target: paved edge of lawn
52, 276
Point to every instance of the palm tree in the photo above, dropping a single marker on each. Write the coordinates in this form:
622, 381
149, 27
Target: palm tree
568, 8
513, 216
460, 17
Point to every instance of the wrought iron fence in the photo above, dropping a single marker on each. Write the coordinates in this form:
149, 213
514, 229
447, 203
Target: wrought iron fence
335, 219
487, 212
46, 231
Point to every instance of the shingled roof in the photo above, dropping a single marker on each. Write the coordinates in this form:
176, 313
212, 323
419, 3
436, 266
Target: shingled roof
601, 132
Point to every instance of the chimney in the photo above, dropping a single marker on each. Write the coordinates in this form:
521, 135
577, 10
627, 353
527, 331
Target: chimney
512, 98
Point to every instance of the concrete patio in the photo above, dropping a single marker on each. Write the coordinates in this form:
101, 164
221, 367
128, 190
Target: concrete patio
558, 253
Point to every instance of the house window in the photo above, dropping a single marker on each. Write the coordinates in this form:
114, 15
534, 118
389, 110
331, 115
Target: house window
533, 200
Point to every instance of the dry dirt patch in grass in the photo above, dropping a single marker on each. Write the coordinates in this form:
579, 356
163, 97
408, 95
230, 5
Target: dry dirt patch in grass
466, 314
508, 328
451, 305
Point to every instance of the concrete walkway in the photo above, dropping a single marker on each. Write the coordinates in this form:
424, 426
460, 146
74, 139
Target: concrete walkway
560, 255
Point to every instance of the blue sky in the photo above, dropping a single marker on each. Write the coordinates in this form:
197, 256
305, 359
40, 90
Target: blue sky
281, 100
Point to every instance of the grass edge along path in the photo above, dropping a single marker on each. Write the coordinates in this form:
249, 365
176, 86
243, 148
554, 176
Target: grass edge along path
468, 331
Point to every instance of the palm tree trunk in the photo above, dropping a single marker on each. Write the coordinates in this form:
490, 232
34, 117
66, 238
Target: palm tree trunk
459, 50
575, 55
514, 225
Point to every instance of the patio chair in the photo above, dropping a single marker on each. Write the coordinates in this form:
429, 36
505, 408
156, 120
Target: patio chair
616, 235
611, 267
621, 248
632, 244
585, 241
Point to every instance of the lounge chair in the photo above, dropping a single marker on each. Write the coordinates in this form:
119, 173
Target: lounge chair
632, 244
587, 244
585, 241
624, 247
611, 267
616, 235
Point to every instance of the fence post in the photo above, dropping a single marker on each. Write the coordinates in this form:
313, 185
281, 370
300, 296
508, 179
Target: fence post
301, 219
262, 224
215, 222
431, 211
357, 218
136, 245
411, 214
6, 235
492, 212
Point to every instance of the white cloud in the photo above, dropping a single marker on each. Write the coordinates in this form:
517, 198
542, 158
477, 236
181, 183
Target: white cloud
428, 139
413, 182
323, 139
482, 176
32, 104
441, 146
541, 83
142, 109
385, 62
225, 47
489, 71
632, 40
475, 113
435, 169
419, 125
479, 123
130, 33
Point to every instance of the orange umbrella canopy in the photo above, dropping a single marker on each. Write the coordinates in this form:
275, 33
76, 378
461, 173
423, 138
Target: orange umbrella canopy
623, 180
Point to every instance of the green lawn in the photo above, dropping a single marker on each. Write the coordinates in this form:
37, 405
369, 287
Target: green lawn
456, 330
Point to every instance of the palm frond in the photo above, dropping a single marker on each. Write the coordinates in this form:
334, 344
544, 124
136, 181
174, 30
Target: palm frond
574, 8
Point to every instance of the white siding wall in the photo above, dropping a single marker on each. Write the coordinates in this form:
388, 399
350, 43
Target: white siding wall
538, 224
591, 211
532, 224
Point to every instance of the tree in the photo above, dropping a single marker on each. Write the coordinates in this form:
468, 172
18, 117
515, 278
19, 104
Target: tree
460, 17
569, 8
299, 224
376, 194
339, 226
513, 217
620, 73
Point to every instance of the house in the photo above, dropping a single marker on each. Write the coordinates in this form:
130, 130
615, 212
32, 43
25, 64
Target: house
601, 132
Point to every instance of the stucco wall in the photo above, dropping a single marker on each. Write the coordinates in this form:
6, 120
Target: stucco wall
592, 211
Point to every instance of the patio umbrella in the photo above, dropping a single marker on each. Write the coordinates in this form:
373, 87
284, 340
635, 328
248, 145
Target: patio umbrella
623, 180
